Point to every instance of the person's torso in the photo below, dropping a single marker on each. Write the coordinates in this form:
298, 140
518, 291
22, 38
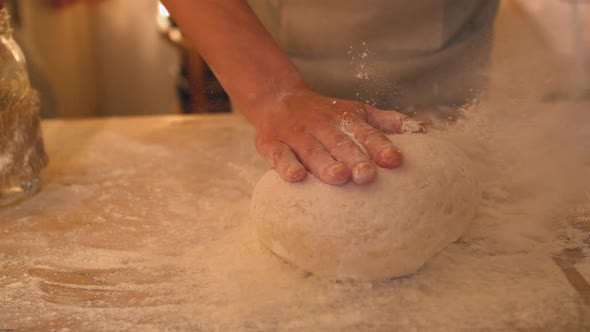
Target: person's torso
330, 27
325, 38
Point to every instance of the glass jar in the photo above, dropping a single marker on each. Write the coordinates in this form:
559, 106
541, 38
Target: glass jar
22, 155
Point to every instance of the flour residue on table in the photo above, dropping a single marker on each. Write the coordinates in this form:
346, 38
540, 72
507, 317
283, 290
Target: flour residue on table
149, 229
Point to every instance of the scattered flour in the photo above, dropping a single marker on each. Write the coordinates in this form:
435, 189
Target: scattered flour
169, 245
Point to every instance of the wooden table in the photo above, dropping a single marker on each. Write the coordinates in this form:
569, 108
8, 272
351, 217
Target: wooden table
143, 224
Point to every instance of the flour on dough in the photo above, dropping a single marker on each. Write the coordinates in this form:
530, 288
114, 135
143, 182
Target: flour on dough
387, 229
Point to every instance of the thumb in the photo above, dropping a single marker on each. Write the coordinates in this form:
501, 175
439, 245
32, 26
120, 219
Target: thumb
392, 122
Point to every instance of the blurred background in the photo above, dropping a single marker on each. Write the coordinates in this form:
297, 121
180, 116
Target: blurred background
93, 58
109, 58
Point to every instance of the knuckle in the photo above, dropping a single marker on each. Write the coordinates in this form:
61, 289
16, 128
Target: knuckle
347, 145
298, 129
360, 110
412, 126
262, 141
278, 154
361, 132
311, 149
265, 151
373, 136
377, 135
324, 117
260, 144
335, 134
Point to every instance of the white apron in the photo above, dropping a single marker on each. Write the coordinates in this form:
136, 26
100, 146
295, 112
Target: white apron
420, 53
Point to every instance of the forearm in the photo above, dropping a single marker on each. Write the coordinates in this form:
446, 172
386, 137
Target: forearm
248, 63
297, 130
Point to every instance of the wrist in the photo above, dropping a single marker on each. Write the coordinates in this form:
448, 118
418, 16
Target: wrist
263, 96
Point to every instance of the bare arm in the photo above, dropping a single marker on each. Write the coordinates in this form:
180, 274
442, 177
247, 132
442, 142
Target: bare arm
227, 34
297, 129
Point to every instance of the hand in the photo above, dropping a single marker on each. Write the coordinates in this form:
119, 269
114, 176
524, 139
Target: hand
297, 129
305, 130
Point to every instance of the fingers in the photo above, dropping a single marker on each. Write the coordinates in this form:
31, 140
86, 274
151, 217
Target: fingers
282, 158
318, 145
344, 149
379, 147
318, 161
391, 122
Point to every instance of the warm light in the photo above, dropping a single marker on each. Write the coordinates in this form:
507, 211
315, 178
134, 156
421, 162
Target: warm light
163, 11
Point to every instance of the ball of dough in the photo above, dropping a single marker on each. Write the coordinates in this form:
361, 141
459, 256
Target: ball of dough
386, 229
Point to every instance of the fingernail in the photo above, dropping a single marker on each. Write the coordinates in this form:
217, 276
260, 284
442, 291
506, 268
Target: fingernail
363, 173
296, 172
336, 170
391, 156
412, 127
390, 153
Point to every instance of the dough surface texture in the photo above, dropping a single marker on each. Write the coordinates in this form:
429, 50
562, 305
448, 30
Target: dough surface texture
386, 229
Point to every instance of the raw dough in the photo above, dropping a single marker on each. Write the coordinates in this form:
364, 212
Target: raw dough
387, 229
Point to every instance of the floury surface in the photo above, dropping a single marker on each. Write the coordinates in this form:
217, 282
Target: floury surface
143, 223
